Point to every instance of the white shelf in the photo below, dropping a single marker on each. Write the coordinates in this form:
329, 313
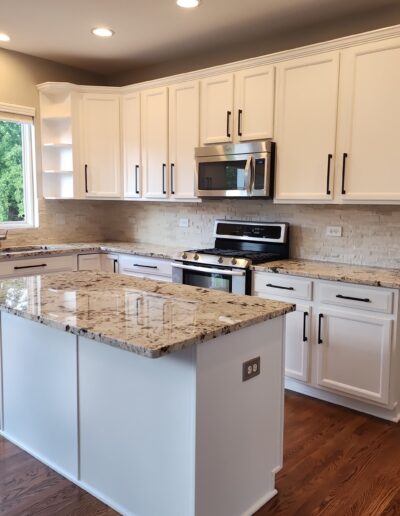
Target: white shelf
57, 171
59, 144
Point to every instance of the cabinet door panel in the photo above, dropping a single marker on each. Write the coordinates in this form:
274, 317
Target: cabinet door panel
306, 111
154, 125
297, 343
131, 144
183, 138
254, 103
217, 109
101, 145
370, 116
354, 356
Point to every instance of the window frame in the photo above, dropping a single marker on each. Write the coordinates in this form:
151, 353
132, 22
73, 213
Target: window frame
28, 163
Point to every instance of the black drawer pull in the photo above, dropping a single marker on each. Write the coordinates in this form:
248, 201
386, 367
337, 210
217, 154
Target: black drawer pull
145, 266
328, 174
279, 286
30, 266
86, 180
172, 178
136, 179
228, 118
321, 316
362, 299
240, 113
344, 173
115, 264
305, 338
164, 191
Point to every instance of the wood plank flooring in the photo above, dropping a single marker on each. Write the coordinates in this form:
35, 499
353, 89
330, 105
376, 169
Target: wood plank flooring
337, 463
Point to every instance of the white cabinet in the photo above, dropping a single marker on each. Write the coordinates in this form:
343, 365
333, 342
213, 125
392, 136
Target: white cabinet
154, 129
238, 107
369, 122
354, 353
183, 138
297, 343
89, 262
145, 267
110, 263
38, 265
306, 111
131, 145
100, 128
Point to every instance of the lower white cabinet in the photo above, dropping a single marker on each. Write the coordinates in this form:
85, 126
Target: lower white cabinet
341, 343
110, 263
37, 265
89, 262
144, 267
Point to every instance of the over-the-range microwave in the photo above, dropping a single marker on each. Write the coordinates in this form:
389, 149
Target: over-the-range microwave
235, 170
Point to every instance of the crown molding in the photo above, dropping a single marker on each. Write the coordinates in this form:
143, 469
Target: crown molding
16, 109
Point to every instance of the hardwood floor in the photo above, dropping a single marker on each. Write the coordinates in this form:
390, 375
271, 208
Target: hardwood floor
337, 462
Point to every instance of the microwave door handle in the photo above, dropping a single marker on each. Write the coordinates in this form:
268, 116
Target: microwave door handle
249, 174
207, 269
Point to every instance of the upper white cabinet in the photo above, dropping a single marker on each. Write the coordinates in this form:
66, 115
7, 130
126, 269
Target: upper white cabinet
154, 129
369, 122
131, 145
100, 130
183, 138
254, 103
306, 111
238, 107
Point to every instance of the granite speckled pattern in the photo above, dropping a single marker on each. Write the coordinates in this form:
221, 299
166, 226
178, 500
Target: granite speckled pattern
360, 275
147, 317
134, 248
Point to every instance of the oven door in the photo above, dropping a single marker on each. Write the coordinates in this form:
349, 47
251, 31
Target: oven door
224, 176
226, 280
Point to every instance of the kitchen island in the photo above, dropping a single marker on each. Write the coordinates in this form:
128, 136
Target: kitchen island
198, 431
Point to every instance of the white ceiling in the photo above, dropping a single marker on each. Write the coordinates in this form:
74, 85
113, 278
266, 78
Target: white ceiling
153, 31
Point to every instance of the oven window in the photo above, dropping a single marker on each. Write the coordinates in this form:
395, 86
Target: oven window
222, 175
208, 280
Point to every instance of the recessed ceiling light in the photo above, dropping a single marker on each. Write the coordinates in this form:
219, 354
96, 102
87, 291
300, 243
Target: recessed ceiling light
4, 37
188, 3
103, 32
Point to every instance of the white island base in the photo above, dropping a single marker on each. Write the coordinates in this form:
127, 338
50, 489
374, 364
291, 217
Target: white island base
180, 435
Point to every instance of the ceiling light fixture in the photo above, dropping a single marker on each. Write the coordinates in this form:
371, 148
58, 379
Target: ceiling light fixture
4, 37
188, 4
103, 32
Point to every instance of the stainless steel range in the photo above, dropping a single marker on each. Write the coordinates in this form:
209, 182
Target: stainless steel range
238, 245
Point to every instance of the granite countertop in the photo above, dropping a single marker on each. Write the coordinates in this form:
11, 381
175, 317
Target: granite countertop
358, 274
134, 248
147, 317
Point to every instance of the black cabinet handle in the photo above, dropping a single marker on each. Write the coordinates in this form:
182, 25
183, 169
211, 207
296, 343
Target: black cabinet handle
20, 267
328, 175
172, 178
228, 118
163, 178
115, 265
362, 299
145, 266
321, 316
240, 112
344, 172
86, 180
136, 179
305, 338
279, 286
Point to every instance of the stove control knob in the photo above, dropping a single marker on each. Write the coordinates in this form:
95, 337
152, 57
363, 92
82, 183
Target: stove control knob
220, 260
196, 257
184, 256
233, 261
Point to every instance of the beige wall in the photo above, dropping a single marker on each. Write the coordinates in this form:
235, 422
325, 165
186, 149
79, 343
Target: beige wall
275, 40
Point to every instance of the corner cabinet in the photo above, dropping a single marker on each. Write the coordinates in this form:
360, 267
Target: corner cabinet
100, 128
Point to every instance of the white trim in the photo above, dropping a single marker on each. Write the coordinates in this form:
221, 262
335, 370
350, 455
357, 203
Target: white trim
16, 109
326, 46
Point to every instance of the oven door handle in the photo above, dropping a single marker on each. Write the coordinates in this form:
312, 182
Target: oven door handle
206, 269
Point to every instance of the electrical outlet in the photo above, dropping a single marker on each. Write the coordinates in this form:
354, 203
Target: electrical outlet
251, 368
334, 231
183, 223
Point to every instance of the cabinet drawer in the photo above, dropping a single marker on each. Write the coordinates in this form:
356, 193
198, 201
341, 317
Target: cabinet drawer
278, 285
145, 266
40, 265
361, 298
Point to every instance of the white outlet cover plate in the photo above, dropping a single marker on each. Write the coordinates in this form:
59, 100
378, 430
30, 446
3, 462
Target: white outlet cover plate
183, 223
334, 231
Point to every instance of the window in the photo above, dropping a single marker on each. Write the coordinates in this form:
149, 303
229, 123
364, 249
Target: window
17, 205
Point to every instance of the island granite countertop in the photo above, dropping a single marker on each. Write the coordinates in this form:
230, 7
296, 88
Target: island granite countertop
358, 274
143, 316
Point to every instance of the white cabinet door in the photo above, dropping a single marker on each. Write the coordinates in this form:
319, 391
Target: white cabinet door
89, 262
217, 109
101, 145
370, 122
183, 138
305, 134
131, 144
297, 343
254, 103
354, 352
109, 263
154, 125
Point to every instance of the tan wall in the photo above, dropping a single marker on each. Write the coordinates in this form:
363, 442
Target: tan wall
275, 40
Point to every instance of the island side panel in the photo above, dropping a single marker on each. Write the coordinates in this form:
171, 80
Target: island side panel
239, 429
137, 429
40, 391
